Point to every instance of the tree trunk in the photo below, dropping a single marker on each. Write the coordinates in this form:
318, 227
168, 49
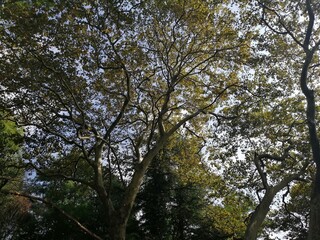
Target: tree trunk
314, 229
259, 215
118, 229
118, 218
262, 210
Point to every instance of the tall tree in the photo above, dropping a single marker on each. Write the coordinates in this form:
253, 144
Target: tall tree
270, 149
110, 82
296, 27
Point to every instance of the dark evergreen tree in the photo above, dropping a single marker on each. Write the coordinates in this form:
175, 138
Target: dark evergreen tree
154, 200
171, 209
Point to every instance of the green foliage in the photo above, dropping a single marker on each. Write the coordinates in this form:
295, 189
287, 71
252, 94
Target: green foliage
43, 222
11, 139
47, 223
131, 73
13, 210
13, 215
180, 198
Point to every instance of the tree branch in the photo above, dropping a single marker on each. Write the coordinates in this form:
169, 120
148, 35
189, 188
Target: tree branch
62, 212
262, 174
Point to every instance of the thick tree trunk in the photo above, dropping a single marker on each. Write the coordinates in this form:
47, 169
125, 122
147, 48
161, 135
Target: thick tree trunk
118, 229
259, 215
117, 218
314, 229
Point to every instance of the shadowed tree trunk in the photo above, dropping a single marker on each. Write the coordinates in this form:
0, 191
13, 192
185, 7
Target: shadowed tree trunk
314, 230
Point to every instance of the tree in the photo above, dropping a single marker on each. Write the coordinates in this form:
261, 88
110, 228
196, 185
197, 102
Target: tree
270, 147
13, 209
79, 201
176, 198
14, 212
10, 141
297, 30
109, 83
153, 200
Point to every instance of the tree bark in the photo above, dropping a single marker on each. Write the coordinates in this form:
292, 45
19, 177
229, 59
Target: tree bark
259, 215
117, 228
314, 229
263, 208
117, 218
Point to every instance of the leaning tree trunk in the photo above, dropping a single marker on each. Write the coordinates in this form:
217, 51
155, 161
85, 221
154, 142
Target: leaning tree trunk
118, 218
259, 215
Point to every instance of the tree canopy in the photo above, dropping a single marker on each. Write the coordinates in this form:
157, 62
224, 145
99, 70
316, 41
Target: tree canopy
158, 119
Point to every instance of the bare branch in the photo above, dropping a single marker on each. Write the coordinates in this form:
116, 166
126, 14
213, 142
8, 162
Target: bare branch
287, 30
61, 176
